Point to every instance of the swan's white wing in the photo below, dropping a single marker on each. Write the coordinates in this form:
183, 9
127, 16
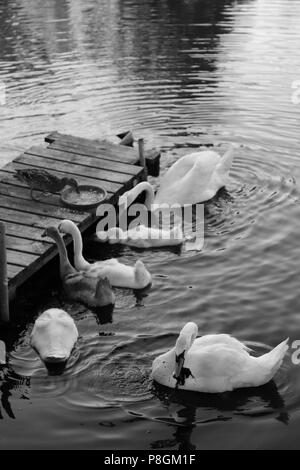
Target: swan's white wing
190, 179
207, 159
219, 339
217, 361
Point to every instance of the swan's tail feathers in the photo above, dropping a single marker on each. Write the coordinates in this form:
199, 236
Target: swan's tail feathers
226, 161
273, 359
142, 276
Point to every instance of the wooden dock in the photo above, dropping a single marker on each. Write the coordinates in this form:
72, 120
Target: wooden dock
114, 167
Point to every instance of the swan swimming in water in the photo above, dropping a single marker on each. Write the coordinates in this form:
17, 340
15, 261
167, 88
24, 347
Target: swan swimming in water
142, 236
94, 291
214, 363
54, 335
192, 179
119, 274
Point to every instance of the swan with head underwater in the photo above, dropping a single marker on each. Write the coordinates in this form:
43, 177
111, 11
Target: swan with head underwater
94, 291
54, 335
214, 363
193, 178
119, 274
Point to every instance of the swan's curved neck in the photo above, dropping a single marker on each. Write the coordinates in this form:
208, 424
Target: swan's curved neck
65, 266
138, 189
79, 261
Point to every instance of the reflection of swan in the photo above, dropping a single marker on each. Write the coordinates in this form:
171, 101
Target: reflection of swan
80, 285
214, 363
54, 335
187, 409
119, 274
194, 178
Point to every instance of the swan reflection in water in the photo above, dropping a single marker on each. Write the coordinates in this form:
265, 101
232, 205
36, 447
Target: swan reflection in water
188, 410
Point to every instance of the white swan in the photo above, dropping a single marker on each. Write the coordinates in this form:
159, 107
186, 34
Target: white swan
192, 179
142, 236
214, 363
54, 335
119, 274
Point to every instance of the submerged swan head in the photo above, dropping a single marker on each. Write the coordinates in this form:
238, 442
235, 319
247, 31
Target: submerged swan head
185, 340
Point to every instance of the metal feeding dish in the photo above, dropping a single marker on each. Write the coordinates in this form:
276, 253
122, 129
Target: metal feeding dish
88, 197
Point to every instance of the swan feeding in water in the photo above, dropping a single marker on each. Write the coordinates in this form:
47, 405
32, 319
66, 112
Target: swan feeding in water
214, 363
80, 285
119, 274
193, 178
142, 236
54, 335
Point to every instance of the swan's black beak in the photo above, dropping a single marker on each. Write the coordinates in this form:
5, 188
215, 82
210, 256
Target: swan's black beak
179, 359
44, 234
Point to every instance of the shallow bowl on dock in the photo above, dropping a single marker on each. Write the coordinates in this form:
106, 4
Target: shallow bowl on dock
89, 197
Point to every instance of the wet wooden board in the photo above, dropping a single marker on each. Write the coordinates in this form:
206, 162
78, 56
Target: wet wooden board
26, 220
102, 149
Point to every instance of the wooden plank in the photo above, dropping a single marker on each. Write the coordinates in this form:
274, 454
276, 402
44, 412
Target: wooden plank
37, 208
27, 219
90, 159
26, 246
117, 152
105, 150
20, 259
67, 167
13, 271
25, 231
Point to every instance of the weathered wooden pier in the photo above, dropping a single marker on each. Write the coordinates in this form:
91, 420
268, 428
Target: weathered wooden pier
23, 251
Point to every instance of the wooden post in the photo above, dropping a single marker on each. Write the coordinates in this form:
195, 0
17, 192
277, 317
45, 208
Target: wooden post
4, 296
142, 157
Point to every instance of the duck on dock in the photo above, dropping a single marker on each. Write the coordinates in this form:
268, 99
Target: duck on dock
41, 180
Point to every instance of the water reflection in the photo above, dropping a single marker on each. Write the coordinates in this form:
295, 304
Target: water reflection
189, 409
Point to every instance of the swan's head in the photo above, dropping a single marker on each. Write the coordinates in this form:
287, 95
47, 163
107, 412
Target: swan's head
51, 232
66, 226
71, 182
185, 340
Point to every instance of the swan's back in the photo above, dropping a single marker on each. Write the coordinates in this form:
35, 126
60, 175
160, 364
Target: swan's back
194, 178
179, 169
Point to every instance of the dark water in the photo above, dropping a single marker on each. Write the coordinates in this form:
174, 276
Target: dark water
180, 74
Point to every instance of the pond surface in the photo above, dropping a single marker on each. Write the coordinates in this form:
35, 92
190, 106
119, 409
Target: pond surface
181, 74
